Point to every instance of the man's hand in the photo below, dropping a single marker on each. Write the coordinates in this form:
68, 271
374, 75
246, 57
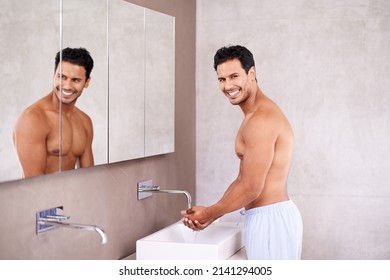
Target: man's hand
197, 217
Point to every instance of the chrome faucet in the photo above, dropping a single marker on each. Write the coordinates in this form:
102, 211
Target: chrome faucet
57, 221
156, 189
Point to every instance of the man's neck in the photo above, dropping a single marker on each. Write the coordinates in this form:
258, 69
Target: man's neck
252, 103
66, 109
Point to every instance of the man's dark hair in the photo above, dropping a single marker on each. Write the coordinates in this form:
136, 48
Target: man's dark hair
78, 56
232, 52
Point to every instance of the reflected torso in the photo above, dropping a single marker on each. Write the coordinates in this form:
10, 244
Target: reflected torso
74, 138
42, 154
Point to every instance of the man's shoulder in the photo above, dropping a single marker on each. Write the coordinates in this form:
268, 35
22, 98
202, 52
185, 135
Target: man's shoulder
33, 121
268, 117
37, 113
268, 113
83, 115
31, 112
84, 119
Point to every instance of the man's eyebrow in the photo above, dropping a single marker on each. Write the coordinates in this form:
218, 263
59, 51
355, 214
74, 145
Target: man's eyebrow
73, 78
232, 74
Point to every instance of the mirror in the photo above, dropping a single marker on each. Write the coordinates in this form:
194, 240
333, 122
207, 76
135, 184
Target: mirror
29, 40
142, 81
130, 98
84, 24
159, 83
126, 63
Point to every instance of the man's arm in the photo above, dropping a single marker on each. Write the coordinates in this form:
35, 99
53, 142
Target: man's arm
29, 138
259, 135
86, 158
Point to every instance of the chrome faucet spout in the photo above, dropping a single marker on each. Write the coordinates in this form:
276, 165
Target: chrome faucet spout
187, 194
53, 222
157, 189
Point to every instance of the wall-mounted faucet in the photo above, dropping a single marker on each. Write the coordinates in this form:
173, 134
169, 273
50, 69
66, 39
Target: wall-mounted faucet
146, 188
53, 218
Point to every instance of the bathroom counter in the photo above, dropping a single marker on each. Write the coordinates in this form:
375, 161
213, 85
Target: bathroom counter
239, 255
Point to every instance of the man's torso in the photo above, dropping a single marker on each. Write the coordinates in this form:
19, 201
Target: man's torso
73, 138
275, 185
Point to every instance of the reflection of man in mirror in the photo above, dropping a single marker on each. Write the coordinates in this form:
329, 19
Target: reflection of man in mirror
37, 137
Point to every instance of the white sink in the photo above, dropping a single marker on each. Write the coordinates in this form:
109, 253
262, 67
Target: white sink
218, 241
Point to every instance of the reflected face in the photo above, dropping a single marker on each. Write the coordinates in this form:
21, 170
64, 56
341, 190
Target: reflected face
234, 82
73, 80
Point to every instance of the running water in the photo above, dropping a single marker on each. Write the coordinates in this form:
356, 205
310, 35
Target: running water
190, 236
196, 233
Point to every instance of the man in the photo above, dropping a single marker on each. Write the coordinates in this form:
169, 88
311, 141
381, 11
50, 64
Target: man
39, 144
264, 144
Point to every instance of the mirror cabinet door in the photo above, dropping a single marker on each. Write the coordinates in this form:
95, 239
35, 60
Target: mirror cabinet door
159, 83
84, 24
29, 41
126, 76
141, 75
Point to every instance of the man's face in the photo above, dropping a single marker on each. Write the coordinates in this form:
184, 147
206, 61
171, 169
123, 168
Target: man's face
73, 82
234, 82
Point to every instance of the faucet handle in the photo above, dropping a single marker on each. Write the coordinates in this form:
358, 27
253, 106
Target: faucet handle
143, 188
55, 218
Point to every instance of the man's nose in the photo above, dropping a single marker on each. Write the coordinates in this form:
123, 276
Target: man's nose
228, 84
65, 83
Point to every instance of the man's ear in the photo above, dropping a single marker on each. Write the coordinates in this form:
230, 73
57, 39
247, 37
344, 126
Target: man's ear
87, 82
252, 73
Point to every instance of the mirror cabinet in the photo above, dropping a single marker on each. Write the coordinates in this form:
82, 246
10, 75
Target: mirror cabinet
130, 97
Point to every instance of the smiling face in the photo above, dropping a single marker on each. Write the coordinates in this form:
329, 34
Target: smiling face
73, 82
234, 82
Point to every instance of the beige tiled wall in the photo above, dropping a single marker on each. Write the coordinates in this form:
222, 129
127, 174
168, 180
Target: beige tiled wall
326, 63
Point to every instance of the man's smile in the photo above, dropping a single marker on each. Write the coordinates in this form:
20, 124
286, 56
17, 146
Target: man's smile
67, 93
233, 93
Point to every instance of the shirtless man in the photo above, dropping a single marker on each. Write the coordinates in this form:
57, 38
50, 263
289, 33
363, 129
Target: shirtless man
36, 135
264, 144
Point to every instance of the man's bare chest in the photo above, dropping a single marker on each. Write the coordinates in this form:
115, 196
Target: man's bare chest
72, 137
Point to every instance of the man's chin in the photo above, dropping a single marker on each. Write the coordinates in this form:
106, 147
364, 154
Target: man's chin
235, 102
67, 101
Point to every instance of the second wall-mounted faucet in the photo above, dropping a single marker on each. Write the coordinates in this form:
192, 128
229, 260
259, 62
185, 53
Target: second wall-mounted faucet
54, 218
146, 188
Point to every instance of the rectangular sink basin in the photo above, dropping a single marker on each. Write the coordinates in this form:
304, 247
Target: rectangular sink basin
218, 241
